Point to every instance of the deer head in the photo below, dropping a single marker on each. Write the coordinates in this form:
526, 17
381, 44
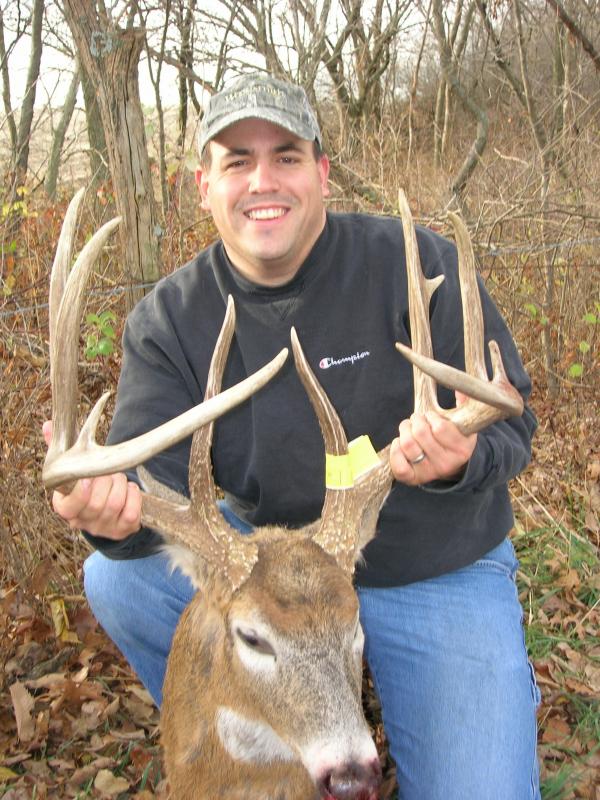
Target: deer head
262, 694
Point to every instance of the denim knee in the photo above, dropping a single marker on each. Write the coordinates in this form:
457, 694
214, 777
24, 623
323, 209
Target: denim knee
104, 592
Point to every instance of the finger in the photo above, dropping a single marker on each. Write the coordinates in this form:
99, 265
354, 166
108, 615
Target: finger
47, 431
130, 519
461, 398
449, 437
96, 506
69, 506
447, 449
402, 469
411, 440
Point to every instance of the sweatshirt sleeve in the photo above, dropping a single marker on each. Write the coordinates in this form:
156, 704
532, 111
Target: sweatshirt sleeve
155, 385
504, 448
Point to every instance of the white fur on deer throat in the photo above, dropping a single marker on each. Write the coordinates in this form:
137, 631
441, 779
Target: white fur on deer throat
182, 558
250, 740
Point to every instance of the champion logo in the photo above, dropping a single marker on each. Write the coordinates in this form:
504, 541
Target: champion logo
328, 361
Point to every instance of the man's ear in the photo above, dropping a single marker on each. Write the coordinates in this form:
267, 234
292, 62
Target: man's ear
323, 166
202, 183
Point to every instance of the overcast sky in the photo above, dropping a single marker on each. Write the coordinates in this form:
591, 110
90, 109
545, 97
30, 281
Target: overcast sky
55, 75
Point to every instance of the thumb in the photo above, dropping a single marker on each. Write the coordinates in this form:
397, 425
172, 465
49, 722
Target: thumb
47, 431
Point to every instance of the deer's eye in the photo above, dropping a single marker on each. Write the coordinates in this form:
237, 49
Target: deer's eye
255, 642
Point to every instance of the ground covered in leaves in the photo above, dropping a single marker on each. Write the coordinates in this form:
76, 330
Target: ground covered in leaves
75, 723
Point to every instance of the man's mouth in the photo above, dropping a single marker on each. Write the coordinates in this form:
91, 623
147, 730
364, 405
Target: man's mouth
265, 213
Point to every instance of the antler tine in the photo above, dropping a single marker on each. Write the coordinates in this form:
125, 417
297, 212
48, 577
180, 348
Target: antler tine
352, 501
199, 524
333, 433
489, 401
224, 548
420, 291
70, 458
66, 304
61, 267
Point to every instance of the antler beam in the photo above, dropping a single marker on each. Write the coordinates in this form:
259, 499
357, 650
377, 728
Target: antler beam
70, 457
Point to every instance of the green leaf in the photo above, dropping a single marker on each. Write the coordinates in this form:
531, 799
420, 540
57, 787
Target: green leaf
532, 308
591, 319
107, 315
584, 346
91, 352
91, 340
576, 370
544, 320
92, 319
105, 347
108, 331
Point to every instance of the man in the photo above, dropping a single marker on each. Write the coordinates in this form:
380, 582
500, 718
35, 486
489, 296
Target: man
438, 601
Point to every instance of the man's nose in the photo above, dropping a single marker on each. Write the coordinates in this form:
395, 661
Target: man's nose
263, 178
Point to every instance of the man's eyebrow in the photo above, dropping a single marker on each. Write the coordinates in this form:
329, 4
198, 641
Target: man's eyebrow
286, 147
291, 145
237, 151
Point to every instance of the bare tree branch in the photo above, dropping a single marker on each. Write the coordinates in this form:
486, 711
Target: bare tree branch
576, 31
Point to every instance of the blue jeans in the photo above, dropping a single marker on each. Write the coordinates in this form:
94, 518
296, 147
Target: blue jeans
447, 657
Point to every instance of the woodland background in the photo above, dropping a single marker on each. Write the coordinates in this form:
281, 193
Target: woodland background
489, 107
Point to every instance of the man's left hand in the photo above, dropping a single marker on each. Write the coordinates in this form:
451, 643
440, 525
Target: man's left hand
428, 448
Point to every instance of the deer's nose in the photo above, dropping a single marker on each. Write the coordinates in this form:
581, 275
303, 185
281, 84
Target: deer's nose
352, 782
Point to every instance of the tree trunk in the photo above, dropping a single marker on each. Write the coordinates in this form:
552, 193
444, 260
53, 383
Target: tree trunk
12, 128
186, 57
450, 72
95, 132
546, 156
162, 141
110, 56
58, 137
576, 32
20, 152
438, 122
33, 73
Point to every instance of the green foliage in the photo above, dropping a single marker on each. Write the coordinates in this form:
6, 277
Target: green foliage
18, 207
590, 318
536, 314
576, 370
100, 341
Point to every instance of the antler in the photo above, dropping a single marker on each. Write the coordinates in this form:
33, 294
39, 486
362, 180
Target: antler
70, 457
198, 524
489, 401
355, 487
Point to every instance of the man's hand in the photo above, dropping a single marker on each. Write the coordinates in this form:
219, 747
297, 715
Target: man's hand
428, 448
109, 506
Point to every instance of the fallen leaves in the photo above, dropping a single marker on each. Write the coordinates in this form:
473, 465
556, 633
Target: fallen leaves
23, 704
76, 719
562, 603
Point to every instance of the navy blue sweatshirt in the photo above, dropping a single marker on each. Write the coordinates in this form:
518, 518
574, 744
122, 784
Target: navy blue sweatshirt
348, 303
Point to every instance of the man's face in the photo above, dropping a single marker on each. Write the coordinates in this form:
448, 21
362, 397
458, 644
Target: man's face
265, 192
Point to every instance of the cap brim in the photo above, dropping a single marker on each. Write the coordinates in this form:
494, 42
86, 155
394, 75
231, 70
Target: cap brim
302, 131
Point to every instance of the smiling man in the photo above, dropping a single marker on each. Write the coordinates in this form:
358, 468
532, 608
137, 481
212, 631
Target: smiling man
439, 606
266, 198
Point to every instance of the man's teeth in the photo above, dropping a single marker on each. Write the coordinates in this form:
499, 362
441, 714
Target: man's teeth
265, 213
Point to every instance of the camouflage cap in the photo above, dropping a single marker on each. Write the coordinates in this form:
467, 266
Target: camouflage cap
263, 97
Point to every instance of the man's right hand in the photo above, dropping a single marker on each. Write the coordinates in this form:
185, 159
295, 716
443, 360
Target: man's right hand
108, 506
